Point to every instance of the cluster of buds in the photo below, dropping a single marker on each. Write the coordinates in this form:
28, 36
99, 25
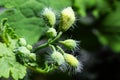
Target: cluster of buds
66, 61
25, 54
59, 57
23, 51
67, 19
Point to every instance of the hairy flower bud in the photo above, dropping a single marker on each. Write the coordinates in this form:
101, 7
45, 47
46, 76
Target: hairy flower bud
50, 16
69, 43
67, 19
71, 60
51, 32
74, 64
22, 41
58, 57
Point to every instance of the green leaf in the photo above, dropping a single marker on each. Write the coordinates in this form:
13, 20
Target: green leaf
13, 15
30, 28
7, 34
32, 6
18, 71
3, 51
12, 3
25, 27
4, 67
24, 16
24, 20
8, 64
55, 4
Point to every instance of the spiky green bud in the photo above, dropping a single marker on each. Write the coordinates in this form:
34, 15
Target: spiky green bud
51, 32
50, 16
69, 43
71, 60
58, 57
67, 19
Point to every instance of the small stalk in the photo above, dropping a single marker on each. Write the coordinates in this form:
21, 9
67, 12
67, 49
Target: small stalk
61, 50
40, 47
43, 71
36, 69
57, 37
49, 42
52, 47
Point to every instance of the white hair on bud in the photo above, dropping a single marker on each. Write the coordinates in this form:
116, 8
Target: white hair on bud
67, 19
72, 66
50, 16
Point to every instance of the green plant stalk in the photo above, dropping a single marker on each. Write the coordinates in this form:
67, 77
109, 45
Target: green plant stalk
40, 47
3, 31
4, 37
61, 50
36, 69
57, 37
47, 44
52, 47
39, 70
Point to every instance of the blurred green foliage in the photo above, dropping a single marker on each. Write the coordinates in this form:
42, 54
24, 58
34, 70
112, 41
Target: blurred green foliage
106, 25
96, 6
110, 28
25, 17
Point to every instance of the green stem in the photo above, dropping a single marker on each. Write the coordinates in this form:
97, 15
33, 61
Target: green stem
57, 37
61, 50
49, 42
43, 71
52, 47
41, 46
36, 69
